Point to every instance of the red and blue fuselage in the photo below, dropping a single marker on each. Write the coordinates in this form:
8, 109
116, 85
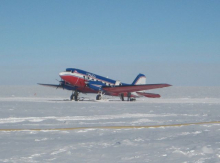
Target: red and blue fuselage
86, 82
81, 79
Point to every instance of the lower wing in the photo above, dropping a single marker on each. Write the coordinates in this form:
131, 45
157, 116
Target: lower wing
133, 88
62, 86
51, 85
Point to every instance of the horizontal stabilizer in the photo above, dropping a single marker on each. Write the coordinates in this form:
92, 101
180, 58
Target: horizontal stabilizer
150, 95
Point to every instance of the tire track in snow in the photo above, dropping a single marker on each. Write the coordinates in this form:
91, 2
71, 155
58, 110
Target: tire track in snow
114, 127
162, 100
81, 118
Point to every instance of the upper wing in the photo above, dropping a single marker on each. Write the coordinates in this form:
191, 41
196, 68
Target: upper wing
133, 88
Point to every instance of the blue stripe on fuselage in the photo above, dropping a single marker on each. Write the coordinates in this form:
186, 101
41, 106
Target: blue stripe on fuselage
86, 73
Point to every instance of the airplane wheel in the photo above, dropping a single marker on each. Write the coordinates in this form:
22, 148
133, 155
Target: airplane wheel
129, 96
132, 99
122, 97
98, 97
76, 98
71, 97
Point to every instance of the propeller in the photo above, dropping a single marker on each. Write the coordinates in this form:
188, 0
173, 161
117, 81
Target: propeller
61, 83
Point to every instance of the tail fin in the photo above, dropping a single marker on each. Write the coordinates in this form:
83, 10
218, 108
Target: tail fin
140, 79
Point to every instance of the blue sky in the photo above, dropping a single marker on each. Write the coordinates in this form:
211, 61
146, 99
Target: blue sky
175, 42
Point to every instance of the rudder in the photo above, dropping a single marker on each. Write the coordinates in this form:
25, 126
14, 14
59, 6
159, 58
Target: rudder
140, 79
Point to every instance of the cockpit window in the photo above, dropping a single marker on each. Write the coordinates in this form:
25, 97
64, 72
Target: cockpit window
70, 70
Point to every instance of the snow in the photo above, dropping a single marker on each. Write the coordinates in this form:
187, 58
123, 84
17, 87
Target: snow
36, 107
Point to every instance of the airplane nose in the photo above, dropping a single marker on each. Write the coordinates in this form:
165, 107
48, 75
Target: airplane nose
62, 74
66, 76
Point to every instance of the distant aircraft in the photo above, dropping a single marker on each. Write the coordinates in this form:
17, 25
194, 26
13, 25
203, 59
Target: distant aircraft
80, 81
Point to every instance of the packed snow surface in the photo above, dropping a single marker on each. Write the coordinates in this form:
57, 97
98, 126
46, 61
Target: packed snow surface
37, 107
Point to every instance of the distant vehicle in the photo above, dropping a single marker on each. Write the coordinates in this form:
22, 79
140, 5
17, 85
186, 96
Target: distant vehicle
80, 81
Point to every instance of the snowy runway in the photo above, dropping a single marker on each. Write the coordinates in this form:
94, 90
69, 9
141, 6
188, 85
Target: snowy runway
98, 138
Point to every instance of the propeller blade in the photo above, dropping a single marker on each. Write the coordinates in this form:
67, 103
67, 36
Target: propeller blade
60, 83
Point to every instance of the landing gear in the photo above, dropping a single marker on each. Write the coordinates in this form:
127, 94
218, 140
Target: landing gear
74, 96
129, 96
132, 99
71, 97
122, 97
98, 97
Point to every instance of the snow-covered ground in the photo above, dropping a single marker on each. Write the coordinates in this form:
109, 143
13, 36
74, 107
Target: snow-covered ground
36, 107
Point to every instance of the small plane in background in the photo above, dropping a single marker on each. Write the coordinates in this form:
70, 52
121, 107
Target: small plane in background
80, 81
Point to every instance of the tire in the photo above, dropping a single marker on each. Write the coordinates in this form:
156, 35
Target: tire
122, 97
76, 98
98, 97
129, 96
71, 97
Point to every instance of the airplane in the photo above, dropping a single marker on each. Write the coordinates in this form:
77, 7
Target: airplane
80, 81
